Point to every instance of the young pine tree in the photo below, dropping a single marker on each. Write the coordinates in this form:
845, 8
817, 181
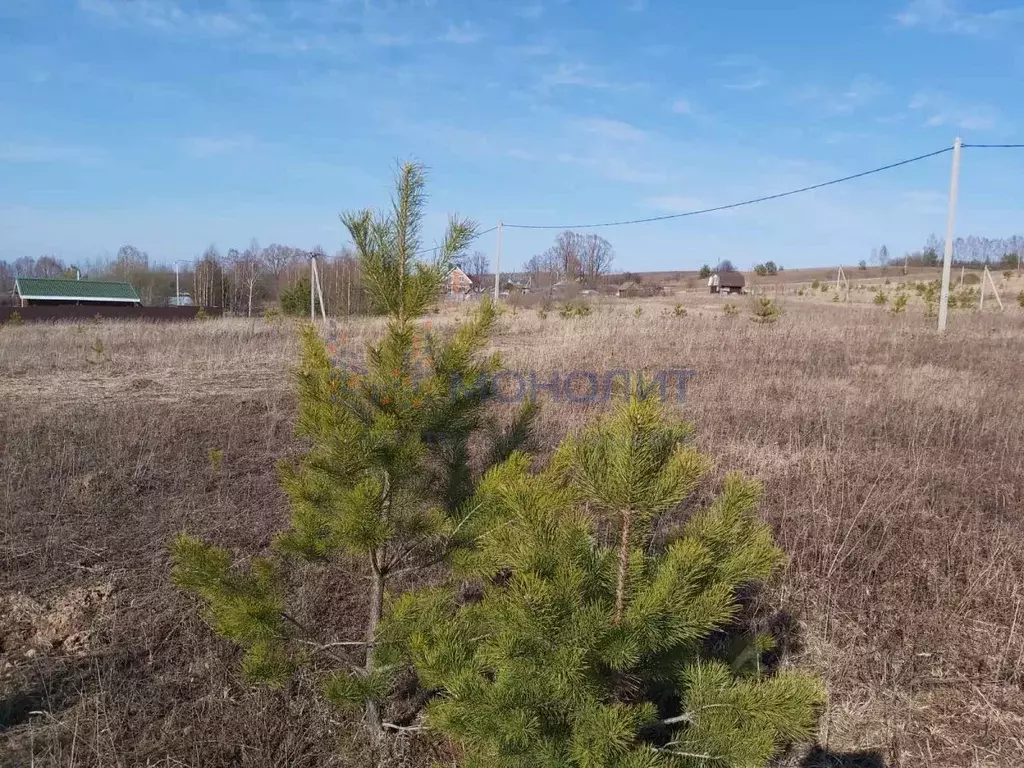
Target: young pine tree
571, 652
388, 474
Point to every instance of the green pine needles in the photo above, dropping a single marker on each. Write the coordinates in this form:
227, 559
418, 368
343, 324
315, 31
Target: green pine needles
573, 625
388, 470
553, 648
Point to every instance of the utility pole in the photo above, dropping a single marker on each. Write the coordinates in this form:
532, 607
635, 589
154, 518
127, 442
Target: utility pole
177, 284
947, 259
498, 263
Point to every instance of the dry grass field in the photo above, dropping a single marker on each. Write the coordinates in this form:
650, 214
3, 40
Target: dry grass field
892, 459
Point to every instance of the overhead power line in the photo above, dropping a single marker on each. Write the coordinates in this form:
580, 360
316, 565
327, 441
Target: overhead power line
993, 146
766, 198
436, 248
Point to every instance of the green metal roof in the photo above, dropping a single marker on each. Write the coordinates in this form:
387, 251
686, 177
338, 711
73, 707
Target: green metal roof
74, 290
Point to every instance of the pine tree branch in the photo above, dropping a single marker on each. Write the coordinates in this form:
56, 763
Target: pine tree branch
620, 589
694, 755
446, 550
402, 728
677, 719
339, 644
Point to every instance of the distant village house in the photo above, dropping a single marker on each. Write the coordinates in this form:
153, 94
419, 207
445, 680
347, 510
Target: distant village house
726, 282
457, 283
51, 291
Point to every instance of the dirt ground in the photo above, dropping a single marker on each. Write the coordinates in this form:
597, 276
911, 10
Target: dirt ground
893, 463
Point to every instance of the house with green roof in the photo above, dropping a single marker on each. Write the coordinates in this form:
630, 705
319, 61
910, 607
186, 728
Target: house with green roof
48, 291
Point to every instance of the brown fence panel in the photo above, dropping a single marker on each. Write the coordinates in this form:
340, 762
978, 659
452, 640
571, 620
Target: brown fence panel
71, 312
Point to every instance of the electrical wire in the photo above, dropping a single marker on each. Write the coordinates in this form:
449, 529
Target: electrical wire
766, 198
436, 248
993, 146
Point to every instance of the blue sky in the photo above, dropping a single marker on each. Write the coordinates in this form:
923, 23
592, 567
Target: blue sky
171, 124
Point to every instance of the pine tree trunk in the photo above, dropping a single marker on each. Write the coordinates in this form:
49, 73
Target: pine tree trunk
376, 607
620, 590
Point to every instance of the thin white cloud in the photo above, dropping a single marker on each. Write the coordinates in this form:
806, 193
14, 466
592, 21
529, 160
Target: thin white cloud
170, 17
389, 40
861, 91
937, 110
462, 34
750, 73
751, 83
32, 153
615, 168
530, 50
533, 11
614, 130
581, 76
947, 16
682, 107
212, 146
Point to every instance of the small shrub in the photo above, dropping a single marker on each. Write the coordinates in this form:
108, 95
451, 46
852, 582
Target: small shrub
272, 316
705, 272
1020, 299
1007, 275
766, 311
295, 298
899, 304
575, 308
638, 311
15, 319
825, 287
679, 310
863, 265
965, 298
98, 352
731, 309
202, 314
815, 285
800, 292
888, 281
881, 297
216, 456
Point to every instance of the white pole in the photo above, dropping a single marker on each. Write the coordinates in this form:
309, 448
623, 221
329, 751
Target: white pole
312, 287
177, 288
320, 293
498, 263
947, 259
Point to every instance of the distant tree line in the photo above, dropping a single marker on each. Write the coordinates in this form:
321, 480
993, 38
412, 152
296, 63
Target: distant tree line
241, 281
971, 251
574, 257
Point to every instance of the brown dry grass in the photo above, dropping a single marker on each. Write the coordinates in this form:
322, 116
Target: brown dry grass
893, 463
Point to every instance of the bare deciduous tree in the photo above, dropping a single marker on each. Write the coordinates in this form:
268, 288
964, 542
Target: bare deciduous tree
598, 256
249, 266
477, 266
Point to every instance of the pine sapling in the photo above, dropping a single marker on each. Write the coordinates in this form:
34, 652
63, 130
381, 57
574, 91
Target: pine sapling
558, 645
389, 469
